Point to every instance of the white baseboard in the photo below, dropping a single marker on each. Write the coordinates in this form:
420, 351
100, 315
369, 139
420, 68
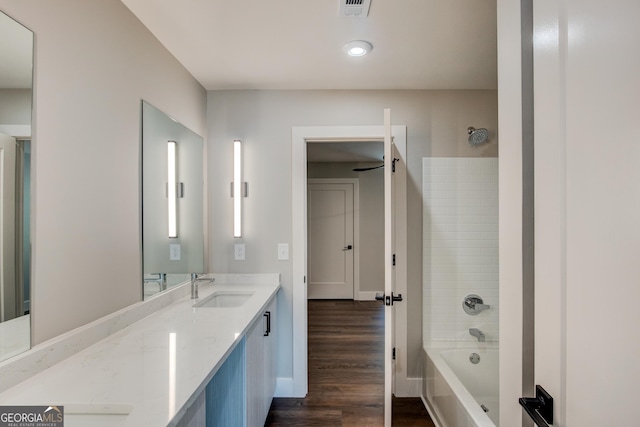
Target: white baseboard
284, 387
366, 296
408, 387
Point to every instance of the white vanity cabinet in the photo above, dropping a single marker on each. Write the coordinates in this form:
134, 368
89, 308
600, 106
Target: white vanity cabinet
261, 366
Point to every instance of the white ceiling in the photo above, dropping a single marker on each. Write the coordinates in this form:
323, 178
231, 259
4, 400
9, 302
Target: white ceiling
278, 44
16, 53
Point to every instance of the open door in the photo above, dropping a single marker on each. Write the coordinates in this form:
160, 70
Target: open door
389, 297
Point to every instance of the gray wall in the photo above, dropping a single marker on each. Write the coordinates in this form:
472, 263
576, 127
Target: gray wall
371, 209
94, 62
436, 126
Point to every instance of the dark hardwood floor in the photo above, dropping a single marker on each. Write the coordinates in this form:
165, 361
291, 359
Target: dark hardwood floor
346, 372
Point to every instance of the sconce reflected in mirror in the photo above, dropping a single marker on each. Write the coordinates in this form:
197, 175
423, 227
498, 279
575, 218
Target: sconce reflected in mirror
237, 180
172, 201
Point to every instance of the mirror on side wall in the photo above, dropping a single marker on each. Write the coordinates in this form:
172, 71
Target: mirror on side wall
16, 83
172, 202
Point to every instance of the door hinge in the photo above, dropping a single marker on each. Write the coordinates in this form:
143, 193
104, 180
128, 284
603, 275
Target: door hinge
393, 165
394, 353
394, 260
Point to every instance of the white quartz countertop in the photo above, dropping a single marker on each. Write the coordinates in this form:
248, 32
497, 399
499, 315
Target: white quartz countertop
148, 373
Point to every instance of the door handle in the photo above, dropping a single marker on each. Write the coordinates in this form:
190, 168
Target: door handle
388, 300
539, 408
347, 248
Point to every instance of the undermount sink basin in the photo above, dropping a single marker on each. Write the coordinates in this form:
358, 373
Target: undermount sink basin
225, 299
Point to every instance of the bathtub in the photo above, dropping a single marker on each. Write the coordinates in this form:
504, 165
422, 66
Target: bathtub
459, 393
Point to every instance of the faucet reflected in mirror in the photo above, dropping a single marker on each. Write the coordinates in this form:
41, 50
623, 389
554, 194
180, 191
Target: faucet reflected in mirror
16, 95
172, 202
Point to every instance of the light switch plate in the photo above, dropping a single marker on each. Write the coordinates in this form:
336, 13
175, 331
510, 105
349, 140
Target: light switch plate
238, 251
283, 251
174, 252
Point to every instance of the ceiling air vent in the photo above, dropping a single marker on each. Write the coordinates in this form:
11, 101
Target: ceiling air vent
358, 8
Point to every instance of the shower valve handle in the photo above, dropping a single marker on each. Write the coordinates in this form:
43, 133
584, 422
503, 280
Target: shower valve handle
473, 305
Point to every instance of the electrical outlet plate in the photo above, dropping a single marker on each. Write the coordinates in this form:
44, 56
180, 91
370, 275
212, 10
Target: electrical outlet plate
283, 251
238, 251
174, 252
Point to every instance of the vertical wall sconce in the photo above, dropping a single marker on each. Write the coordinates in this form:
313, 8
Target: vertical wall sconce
172, 189
239, 188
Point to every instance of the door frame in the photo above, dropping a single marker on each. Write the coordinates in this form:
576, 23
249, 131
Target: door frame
515, 119
297, 386
356, 229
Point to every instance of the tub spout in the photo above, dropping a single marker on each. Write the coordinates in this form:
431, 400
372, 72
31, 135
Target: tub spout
477, 333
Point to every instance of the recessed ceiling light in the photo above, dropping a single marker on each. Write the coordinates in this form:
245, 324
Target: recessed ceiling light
358, 48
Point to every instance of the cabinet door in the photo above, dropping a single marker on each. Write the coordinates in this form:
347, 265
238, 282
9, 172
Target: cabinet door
270, 345
255, 375
261, 366
225, 405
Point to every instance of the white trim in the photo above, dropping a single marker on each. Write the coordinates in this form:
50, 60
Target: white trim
299, 138
356, 223
408, 386
510, 211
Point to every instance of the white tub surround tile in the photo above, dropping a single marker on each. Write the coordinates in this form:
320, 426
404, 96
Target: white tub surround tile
460, 246
155, 365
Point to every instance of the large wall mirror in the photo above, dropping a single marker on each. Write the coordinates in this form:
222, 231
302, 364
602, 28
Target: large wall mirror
16, 82
172, 202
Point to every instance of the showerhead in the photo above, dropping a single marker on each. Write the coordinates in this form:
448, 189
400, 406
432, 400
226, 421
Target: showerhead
477, 136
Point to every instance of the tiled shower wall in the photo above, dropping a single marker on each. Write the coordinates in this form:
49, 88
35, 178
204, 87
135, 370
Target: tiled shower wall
460, 246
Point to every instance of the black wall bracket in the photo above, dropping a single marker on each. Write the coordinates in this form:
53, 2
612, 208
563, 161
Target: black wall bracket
539, 408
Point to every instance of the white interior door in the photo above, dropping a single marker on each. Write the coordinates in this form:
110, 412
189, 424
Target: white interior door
7, 227
587, 237
389, 269
330, 240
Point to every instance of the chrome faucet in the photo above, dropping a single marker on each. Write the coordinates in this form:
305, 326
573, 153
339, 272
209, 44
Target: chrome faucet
194, 283
161, 280
473, 305
477, 333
